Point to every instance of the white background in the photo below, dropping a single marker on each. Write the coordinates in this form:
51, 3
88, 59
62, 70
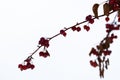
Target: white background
23, 22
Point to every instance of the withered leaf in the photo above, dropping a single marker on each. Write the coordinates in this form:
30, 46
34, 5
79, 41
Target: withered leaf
106, 9
95, 10
101, 47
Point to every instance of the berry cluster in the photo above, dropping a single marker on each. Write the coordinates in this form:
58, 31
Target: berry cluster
74, 28
44, 53
114, 4
26, 65
90, 19
102, 51
111, 27
43, 42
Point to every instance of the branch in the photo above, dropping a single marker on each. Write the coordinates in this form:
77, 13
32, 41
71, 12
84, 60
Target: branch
66, 30
101, 50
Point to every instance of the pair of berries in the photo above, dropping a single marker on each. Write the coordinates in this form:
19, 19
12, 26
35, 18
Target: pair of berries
90, 19
87, 28
44, 54
74, 28
93, 63
63, 32
94, 52
108, 52
27, 64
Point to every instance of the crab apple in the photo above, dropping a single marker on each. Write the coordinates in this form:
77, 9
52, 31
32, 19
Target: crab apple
78, 29
20, 65
41, 53
91, 21
42, 41
32, 66
93, 63
107, 19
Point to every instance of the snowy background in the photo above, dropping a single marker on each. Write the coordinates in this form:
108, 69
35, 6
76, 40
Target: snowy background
23, 22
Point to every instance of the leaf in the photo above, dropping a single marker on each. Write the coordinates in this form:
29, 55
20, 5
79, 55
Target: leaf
106, 9
95, 10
